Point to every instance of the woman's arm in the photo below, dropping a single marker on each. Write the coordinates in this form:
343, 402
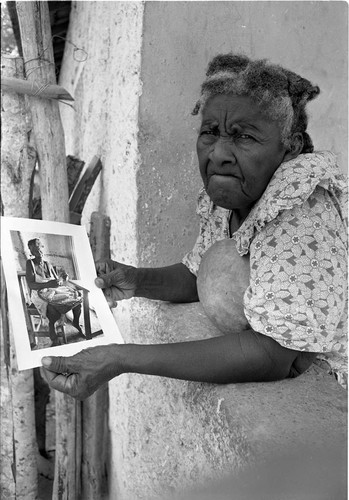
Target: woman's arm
244, 357
173, 283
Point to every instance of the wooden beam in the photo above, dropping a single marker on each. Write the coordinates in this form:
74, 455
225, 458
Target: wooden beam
35, 29
95, 437
35, 89
11, 7
34, 23
18, 438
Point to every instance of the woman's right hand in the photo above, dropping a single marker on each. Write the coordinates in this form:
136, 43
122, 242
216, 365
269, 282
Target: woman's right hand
52, 284
117, 280
82, 374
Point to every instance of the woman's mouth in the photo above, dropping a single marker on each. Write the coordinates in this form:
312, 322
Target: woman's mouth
221, 176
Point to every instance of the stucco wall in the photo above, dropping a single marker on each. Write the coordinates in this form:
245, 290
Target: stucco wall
106, 87
133, 99
104, 121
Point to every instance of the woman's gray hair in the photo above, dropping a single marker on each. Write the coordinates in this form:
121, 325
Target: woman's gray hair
281, 94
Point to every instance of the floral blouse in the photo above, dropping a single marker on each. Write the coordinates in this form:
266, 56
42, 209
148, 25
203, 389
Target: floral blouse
296, 235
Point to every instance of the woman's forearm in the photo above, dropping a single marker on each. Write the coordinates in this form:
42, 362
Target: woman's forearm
36, 286
40, 286
194, 361
227, 359
173, 283
245, 357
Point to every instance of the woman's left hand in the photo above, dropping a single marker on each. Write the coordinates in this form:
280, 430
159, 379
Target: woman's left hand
52, 283
82, 374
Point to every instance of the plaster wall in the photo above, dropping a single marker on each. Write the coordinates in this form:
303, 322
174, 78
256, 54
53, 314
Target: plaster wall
101, 69
133, 99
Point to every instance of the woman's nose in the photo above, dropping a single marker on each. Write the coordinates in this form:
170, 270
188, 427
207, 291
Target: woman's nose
222, 152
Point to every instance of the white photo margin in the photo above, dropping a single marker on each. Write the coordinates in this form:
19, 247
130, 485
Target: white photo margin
82, 254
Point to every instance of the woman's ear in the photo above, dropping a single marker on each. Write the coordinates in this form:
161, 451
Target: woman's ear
297, 144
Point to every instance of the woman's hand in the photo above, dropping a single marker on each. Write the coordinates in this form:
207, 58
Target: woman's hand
118, 280
82, 374
52, 284
172, 283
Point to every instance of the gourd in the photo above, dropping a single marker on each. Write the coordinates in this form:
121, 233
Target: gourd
222, 280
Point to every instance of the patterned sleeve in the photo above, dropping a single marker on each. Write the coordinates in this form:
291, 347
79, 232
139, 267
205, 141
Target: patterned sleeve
193, 258
298, 282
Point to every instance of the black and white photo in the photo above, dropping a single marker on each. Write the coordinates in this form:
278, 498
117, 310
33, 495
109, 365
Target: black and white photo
54, 304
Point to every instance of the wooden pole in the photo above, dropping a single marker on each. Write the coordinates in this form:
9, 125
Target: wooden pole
35, 28
18, 437
36, 39
18, 157
95, 436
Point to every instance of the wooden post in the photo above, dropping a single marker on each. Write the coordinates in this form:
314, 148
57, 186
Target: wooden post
18, 438
17, 156
95, 437
35, 28
36, 39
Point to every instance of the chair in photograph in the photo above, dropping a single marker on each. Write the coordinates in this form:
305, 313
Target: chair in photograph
85, 308
35, 322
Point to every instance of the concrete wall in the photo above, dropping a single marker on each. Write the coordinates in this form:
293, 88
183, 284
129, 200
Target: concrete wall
133, 99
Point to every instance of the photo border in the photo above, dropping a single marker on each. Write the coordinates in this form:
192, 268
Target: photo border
27, 358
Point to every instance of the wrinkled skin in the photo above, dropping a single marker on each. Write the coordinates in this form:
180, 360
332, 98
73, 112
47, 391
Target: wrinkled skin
118, 281
238, 150
82, 374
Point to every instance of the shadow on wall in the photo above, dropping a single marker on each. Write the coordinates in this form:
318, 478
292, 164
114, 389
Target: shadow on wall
310, 474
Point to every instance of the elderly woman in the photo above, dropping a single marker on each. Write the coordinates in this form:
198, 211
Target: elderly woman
272, 244
44, 285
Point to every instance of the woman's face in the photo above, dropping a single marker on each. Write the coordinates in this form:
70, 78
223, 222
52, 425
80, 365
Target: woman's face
36, 249
238, 149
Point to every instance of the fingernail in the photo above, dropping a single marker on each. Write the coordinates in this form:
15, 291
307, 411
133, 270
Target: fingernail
46, 361
99, 282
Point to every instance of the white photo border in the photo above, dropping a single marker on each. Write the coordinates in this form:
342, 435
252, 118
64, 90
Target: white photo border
27, 358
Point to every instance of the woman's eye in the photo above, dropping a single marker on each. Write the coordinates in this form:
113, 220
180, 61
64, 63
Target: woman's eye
208, 132
245, 137
208, 136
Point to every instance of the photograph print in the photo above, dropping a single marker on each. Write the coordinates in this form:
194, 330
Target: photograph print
49, 273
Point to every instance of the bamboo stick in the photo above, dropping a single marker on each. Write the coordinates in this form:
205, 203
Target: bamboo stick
95, 409
34, 23
33, 88
18, 443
